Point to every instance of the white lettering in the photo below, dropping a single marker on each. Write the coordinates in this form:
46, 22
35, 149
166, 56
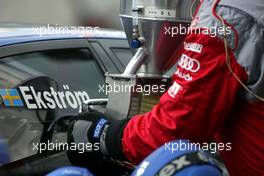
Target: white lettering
27, 98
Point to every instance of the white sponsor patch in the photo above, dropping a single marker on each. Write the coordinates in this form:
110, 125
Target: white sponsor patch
174, 89
195, 47
52, 99
195, 21
189, 64
185, 76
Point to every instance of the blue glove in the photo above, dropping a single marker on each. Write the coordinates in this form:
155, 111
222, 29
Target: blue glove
4, 154
166, 162
70, 171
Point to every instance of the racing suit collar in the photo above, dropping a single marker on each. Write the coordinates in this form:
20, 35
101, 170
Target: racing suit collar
254, 8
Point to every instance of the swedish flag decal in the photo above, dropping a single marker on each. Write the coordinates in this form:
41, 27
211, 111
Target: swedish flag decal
11, 97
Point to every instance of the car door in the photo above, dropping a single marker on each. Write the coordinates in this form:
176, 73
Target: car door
51, 79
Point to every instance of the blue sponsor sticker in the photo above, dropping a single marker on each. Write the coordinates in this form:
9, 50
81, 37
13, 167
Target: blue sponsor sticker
99, 128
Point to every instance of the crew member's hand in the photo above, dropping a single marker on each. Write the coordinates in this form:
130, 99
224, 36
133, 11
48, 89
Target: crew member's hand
100, 136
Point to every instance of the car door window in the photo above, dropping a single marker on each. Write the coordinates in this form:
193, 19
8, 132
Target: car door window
123, 54
35, 85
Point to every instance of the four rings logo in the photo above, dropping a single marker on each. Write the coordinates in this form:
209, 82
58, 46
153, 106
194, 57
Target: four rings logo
189, 64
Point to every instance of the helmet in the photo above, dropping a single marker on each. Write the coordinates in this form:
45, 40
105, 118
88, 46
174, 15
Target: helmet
167, 162
70, 171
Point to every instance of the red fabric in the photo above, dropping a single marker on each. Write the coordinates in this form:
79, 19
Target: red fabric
245, 129
202, 108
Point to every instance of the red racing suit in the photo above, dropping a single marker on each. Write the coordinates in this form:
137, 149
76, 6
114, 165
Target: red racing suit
206, 102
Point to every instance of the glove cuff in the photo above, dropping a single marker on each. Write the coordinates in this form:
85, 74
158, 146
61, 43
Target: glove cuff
113, 139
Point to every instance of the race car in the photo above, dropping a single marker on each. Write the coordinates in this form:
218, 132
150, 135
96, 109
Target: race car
33, 64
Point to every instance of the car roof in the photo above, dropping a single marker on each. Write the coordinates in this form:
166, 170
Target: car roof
18, 33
